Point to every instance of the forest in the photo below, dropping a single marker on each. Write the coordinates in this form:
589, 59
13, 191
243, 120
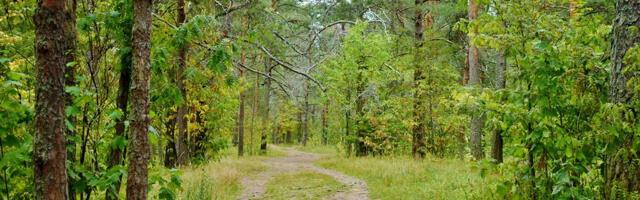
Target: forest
319, 99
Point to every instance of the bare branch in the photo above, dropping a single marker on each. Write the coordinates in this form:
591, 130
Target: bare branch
280, 84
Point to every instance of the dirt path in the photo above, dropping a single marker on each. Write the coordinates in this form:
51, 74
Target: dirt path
254, 186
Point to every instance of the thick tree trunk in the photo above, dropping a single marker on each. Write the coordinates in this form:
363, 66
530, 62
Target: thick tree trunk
137, 174
241, 114
418, 113
496, 142
181, 144
622, 168
49, 148
474, 79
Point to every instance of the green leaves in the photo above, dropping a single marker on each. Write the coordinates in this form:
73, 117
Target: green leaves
220, 59
119, 142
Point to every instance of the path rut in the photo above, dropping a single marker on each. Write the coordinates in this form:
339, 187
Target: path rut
254, 186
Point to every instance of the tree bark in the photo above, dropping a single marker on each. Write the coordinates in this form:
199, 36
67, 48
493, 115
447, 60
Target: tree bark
265, 114
275, 122
49, 148
299, 136
325, 109
474, 80
418, 148
496, 142
621, 167
241, 113
181, 144
139, 130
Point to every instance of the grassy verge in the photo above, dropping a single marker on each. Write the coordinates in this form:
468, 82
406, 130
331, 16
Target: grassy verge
221, 179
319, 149
405, 178
302, 185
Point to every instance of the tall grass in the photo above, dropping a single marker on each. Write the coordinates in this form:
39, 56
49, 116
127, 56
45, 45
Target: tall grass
221, 179
401, 177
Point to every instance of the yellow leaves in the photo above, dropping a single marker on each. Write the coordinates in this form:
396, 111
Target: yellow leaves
10, 14
15, 64
8, 39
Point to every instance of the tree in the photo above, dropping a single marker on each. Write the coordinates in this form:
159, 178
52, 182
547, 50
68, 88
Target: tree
305, 123
496, 141
123, 33
267, 106
181, 145
53, 39
474, 80
622, 167
418, 113
241, 112
137, 176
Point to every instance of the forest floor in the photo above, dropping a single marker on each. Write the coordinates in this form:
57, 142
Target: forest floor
322, 172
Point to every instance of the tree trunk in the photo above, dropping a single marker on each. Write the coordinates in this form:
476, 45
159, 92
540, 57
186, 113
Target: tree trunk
241, 113
181, 144
115, 155
288, 137
49, 148
254, 113
139, 129
361, 149
275, 122
299, 136
418, 112
496, 142
622, 169
265, 114
170, 149
305, 123
474, 79
325, 108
